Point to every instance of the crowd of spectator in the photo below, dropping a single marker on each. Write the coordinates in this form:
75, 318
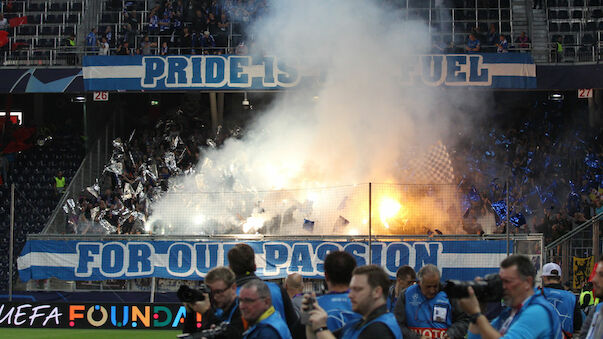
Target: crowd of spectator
137, 174
553, 170
180, 27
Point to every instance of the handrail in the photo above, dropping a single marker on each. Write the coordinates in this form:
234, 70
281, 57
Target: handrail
575, 231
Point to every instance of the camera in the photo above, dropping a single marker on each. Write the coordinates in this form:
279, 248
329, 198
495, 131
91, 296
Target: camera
487, 290
188, 295
305, 316
209, 333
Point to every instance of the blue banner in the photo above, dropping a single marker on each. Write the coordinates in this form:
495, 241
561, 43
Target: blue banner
232, 72
101, 260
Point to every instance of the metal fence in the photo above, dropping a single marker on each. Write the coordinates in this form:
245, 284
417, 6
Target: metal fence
582, 242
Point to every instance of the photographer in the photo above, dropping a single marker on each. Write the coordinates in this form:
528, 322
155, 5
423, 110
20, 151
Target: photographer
218, 306
425, 311
368, 294
241, 259
527, 315
257, 310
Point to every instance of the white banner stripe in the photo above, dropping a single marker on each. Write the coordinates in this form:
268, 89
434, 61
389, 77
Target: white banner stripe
519, 70
110, 72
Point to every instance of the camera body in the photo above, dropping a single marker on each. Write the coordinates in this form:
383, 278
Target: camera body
305, 316
209, 333
487, 290
188, 295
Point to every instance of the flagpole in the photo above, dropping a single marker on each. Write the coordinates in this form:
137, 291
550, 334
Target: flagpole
370, 224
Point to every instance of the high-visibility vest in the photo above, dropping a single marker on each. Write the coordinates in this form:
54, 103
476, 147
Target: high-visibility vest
593, 301
60, 182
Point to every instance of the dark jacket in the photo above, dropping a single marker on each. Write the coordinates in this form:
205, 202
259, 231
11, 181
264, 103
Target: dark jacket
234, 330
458, 329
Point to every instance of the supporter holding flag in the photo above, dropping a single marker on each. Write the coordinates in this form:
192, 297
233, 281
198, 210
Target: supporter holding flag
425, 310
565, 302
527, 315
368, 294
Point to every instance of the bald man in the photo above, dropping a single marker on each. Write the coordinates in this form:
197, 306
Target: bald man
294, 285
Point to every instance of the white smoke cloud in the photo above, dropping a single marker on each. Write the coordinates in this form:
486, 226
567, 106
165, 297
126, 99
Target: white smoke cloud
363, 128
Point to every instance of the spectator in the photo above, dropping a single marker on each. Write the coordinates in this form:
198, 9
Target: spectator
212, 24
146, 46
207, 43
502, 46
186, 42
523, 41
593, 325
199, 22
124, 49
565, 303
109, 36
153, 22
165, 25
473, 45
164, 50
224, 28
493, 36
91, 41
241, 49
104, 47
70, 41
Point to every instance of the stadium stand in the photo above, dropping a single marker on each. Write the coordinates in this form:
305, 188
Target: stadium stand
34, 157
40, 30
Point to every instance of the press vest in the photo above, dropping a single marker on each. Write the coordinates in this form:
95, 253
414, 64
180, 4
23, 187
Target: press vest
60, 182
275, 321
597, 320
427, 317
350, 332
339, 310
564, 302
536, 299
277, 297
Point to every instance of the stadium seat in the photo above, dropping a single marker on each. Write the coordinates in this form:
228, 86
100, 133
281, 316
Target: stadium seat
577, 14
569, 39
76, 6
72, 19
576, 27
594, 3
553, 27
590, 26
505, 14
563, 3
505, 27
578, 3
552, 14
564, 27
597, 14
588, 39
493, 15
601, 25
562, 14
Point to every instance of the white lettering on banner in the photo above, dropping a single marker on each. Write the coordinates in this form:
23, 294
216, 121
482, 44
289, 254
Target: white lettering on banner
449, 70
18, 315
216, 72
273, 258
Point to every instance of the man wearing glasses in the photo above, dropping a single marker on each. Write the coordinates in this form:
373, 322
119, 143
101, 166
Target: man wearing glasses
221, 306
263, 320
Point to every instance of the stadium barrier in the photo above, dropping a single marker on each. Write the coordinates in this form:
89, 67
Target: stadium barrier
189, 258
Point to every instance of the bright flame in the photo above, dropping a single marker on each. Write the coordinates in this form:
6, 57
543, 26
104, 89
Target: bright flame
388, 208
253, 222
198, 219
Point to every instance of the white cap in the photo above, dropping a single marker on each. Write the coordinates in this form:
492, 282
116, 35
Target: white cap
551, 270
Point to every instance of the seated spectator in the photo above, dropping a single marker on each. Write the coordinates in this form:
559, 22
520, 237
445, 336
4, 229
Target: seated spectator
523, 41
502, 46
473, 45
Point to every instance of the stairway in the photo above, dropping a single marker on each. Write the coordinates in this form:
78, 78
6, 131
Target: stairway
539, 34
